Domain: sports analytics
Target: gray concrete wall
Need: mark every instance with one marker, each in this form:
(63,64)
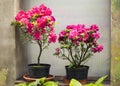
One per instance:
(7,39)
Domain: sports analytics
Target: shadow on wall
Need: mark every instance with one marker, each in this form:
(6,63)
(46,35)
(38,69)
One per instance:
(21,60)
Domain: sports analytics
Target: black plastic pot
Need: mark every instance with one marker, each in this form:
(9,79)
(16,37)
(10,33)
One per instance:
(79,73)
(38,71)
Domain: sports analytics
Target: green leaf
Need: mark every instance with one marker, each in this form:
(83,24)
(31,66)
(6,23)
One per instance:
(38,81)
(100,85)
(100,80)
(32,84)
(74,82)
(41,80)
(65,46)
(21,84)
(13,23)
(70,65)
(87,56)
(46,46)
(50,83)
(35,83)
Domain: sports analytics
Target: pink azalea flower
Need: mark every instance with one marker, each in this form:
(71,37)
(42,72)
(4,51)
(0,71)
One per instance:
(50,21)
(71,26)
(60,39)
(51,28)
(95,43)
(43,30)
(25,20)
(76,42)
(57,51)
(81,30)
(29,27)
(30,13)
(94,28)
(52,18)
(41,22)
(73,34)
(94,50)
(43,9)
(95,35)
(35,10)
(37,35)
(21,14)
(48,12)
(99,48)
(80,26)
(62,33)
(52,37)
(84,36)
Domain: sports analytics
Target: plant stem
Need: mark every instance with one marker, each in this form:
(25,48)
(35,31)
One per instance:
(83,55)
(68,59)
(72,56)
(40,46)
(79,62)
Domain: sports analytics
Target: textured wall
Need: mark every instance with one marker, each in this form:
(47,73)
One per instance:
(7,39)
(115,43)
(3,75)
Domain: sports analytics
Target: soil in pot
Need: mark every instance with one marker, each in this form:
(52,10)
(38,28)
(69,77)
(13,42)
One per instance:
(38,70)
(79,73)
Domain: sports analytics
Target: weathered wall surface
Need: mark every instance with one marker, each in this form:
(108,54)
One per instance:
(7,39)
(115,42)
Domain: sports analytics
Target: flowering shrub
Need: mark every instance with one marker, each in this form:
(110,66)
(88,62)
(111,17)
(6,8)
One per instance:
(78,43)
(37,24)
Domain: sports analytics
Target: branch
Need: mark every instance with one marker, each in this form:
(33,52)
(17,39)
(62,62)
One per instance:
(85,52)
(71,54)
(79,62)
(83,55)
(67,58)
(40,46)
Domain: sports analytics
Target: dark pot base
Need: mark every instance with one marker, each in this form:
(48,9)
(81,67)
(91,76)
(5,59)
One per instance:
(80,73)
(38,71)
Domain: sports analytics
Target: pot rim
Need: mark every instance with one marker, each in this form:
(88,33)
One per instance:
(41,64)
(81,67)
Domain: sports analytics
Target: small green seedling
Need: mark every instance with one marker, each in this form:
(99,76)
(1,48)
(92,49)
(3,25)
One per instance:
(39,82)
(99,82)
(74,82)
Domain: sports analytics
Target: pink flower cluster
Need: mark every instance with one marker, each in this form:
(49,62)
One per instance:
(57,51)
(98,48)
(77,34)
(37,22)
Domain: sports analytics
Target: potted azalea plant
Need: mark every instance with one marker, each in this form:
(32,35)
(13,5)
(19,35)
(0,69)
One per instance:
(37,24)
(77,44)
